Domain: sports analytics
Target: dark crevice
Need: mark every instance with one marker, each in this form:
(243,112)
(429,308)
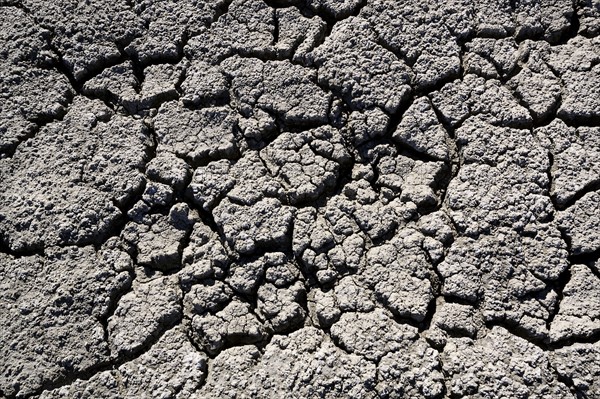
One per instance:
(113,304)
(137,68)
(550,177)
(191,338)
(21,253)
(505,77)
(573,28)
(197,105)
(310,12)
(540,341)
(523,104)
(437,280)
(458,333)
(384,238)
(591,338)
(91,71)
(130,4)
(456,158)
(275,28)
(15,3)
(412,153)
(548,117)
(336,341)
(590,187)
(590,259)
(399,55)
(450,129)
(209,220)
(330,20)
(558,286)
(197,162)
(592,120)
(220,11)
(568,382)
(460,300)
(516,329)
(426,90)
(392,125)
(183,75)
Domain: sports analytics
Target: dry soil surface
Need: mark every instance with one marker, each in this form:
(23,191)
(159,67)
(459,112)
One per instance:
(300,199)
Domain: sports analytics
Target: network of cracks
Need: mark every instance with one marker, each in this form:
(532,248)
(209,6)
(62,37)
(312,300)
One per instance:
(300,198)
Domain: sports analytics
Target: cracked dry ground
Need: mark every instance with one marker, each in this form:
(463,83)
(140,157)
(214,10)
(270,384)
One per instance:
(299,198)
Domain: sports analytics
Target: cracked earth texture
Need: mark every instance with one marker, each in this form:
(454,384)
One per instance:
(299,198)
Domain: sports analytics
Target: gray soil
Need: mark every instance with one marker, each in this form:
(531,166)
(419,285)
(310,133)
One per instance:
(300,199)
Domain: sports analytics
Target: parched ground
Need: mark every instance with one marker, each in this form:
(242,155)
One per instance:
(300,199)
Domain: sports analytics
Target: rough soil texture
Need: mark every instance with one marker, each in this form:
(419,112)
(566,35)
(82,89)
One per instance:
(300,198)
